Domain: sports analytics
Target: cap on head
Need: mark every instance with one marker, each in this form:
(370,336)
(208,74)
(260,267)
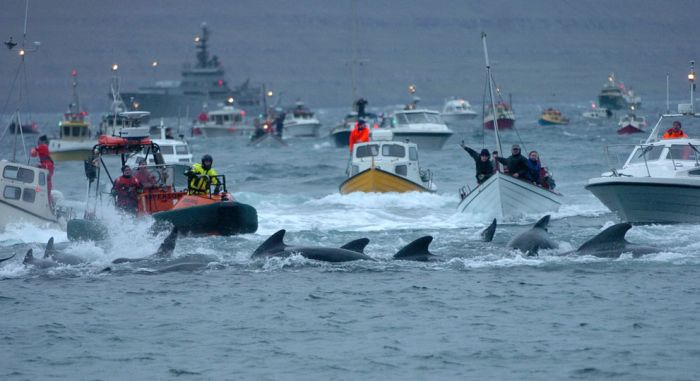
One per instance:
(515,146)
(676,123)
(208,158)
(43,138)
(361,122)
(485,152)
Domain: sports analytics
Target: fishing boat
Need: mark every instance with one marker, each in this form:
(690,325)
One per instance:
(300,121)
(24,189)
(174,151)
(660,180)
(457,112)
(27,128)
(421,126)
(383,165)
(225,121)
(201,83)
(75,141)
(631,124)
(551,117)
(504,116)
(502,196)
(201,213)
(340,134)
(614,95)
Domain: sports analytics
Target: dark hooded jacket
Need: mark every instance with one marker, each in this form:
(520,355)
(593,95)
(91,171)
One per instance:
(484,169)
(515,164)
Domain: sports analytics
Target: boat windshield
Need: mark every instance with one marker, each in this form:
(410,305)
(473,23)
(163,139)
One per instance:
(181,149)
(417,118)
(393,150)
(648,153)
(682,152)
(367,150)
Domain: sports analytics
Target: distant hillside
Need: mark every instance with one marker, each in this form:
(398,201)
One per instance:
(542,50)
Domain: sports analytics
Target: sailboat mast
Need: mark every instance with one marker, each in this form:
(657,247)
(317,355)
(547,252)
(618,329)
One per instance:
(353,65)
(493,102)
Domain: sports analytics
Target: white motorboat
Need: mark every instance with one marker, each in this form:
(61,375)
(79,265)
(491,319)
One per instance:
(383,165)
(300,121)
(660,180)
(457,112)
(501,196)
(226,121)
(420,126)
(596,113)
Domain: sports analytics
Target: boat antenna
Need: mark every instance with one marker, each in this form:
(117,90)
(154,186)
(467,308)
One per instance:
(490,85)
(691,79)
(668,102)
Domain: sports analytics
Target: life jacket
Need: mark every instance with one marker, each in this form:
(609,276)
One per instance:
(126,190)
(670,134)
(358,136)
(45,160)
(200,184)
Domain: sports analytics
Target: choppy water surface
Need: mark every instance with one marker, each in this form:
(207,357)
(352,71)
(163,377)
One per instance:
(482,312)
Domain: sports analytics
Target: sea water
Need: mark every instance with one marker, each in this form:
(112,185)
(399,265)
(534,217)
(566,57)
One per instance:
(481,311)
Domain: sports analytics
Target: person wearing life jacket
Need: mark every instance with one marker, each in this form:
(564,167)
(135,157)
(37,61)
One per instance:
(675,132)
(359,134)
(45,161)
(125,191)
(201,176)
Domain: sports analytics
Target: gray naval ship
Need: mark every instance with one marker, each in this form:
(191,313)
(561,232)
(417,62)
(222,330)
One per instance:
(202,84)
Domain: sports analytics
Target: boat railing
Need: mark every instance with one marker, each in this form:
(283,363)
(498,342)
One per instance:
(214,184)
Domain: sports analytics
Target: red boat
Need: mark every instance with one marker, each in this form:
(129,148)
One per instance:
(505,116)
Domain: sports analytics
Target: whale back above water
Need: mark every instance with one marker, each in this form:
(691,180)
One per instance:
(274,246)
(534,239)
(487,234)
(416,250)
(611,243)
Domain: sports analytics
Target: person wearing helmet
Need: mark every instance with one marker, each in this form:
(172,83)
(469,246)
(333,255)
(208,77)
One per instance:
(125,191)
(201,176)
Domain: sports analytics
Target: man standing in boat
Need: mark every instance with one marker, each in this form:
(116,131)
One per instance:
(484,167)
(126,190)
(361,104)
(516,164)
(45,161)
(359,134)
(675,132)
(201,176)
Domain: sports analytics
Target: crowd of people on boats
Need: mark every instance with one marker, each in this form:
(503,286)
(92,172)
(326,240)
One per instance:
(527,169)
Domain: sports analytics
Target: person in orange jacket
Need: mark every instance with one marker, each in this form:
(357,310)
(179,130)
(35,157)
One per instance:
(675,132)
(359,134)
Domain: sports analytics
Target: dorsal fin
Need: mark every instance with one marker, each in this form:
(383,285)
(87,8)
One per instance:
(165,250)
(416,250)
(8,258)
(487,234)
(29,257)
(542,223)
(273,244)
(50,249)
(357,245)
(613,234)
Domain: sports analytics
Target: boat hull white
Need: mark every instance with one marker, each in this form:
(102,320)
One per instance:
(506,198)
(425,140)
(458,119)
(641,200)
(301,129)
(12,214)
(218,132)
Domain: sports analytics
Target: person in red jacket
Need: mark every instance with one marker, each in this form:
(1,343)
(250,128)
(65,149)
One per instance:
(125,191)
(45,160)
(359,134)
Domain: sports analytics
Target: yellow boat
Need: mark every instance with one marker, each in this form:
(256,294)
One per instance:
(74,142)
(552,117)
(383,165)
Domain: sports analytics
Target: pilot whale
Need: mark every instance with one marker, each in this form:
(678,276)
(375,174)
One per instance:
(274,246)
(165,250)
(534,239)
(417,251)
(611,243)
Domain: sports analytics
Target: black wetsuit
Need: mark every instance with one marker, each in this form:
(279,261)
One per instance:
(515,164)
(484,169)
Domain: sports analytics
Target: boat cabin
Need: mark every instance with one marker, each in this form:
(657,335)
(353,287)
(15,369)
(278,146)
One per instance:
(228,115)
(407,118)
(24,192)
(398,158)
